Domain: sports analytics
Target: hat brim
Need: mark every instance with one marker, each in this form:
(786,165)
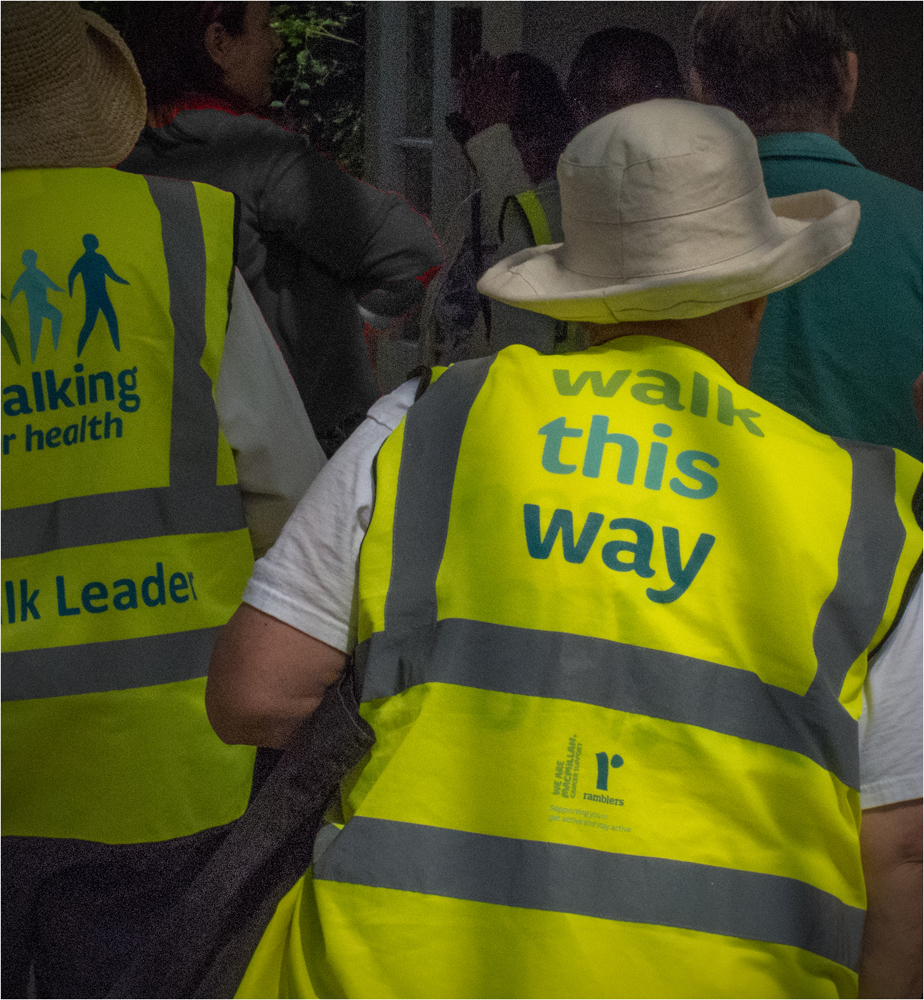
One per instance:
(87,113)
(812,229)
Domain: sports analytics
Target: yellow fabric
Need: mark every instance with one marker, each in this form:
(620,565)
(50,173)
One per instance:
(480,737)
(774,497)
(216,563)
(126,765)
(119,767)
(410,945)
(757,476)
(535,215)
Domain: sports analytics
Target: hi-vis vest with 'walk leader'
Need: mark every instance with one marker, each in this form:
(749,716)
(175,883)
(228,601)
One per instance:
(614,619)
(124,540)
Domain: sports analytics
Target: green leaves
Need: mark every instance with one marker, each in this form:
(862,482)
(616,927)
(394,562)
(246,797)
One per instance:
(318,82)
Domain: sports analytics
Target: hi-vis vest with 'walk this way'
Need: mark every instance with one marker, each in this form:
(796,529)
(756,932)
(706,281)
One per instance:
(124,540)
(614,619)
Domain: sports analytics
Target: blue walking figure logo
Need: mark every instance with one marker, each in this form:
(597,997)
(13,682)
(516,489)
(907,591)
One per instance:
(94,268)
(35,284)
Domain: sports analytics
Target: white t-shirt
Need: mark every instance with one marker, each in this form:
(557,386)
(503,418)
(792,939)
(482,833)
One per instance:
(263,419)
(308,581)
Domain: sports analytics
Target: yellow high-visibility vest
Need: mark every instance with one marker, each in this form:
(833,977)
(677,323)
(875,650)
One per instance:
(614,619)
(124,540)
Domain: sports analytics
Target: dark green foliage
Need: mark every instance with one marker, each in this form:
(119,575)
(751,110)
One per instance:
(318,84)
(319,76)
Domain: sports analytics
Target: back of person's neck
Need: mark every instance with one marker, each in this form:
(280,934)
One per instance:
(787,123)
(728,336)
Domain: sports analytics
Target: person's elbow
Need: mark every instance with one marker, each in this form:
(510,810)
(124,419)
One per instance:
(241,714)
(265,677)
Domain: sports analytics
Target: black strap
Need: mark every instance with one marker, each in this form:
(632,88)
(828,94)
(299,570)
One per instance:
(205,944)
(478,259)
(425,374)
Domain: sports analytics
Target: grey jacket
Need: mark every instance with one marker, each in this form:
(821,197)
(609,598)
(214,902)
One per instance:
(313,241)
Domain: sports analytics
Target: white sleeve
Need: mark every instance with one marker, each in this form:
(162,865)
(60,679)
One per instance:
(890,726)
(263,419)
(500,173)
(308,578)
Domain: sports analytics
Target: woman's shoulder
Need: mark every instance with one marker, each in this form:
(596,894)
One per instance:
(218,123)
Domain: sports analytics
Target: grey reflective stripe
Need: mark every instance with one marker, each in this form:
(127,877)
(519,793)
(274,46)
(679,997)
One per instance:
(432,436)
(194,421)
(107,666)
(870,551)
(626,678)
(739,704)
(120,517)
(566,879)
(193,503)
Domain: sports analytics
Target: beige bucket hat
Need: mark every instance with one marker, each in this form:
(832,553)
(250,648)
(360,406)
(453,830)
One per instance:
(71,94)
(665,216)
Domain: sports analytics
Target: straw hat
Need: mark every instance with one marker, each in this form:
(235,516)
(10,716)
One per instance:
(71,95)
(666,216)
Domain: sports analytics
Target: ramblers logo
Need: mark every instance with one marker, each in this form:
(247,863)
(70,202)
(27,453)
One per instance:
(47,390)
(569,784)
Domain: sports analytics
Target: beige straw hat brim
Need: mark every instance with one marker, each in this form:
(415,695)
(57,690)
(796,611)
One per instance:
(71,94)
(713,244)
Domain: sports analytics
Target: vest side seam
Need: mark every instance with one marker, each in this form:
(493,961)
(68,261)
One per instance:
(870,549)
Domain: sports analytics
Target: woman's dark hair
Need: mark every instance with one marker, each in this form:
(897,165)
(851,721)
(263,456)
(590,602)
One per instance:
(542,118)
(620,66)
(168,43)
(772,63)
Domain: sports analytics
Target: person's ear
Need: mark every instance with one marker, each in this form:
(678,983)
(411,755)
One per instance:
(849,86)
(216,40)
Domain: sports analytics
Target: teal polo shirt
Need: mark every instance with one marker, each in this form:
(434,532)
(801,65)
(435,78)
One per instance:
(842,349)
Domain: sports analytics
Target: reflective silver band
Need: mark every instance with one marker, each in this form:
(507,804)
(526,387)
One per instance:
(869,554)
(615,675)
(578,880)
(107,666)
(120,517)
(432,436)
(193,422)
(704,694)
(191,504)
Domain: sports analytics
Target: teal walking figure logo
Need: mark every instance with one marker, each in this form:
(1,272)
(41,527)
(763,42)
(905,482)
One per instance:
(35,285)
(94,269)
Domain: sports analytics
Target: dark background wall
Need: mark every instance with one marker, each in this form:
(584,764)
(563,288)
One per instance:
(884,130)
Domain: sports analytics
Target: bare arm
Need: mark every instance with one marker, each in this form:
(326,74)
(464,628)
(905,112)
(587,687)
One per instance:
(890,843)
(265,677)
